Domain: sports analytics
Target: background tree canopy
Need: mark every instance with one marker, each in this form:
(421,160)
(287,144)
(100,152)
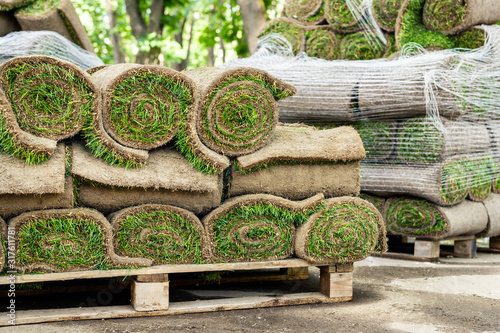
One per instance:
(176,33)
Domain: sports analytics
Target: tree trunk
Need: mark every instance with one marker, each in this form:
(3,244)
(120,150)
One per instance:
(210,57)
(253,14)
(116,40)
(141,30)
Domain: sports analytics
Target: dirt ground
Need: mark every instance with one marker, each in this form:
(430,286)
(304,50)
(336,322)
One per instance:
(389,296)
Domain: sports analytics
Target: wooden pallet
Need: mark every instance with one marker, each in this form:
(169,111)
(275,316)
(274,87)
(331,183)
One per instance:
(150,291)
(429,250)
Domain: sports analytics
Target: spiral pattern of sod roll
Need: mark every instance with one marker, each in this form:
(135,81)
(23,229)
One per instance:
(378,202)
(470,39)
(386,13)
(238,110)
(378,139)
(455,180)
(256,227)
(322,44)
(165,234)
(305,11)
(442,15)
(294,33)
(340,17)
(50,99)
(348,229)
(410,28)
(418,141)
(357,46)
(483,172)
(412,217)
(62,240)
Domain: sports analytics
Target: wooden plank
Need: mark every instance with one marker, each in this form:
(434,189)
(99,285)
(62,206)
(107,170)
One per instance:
(465,248)
(152,278)
(335,284)
(160,269)
(149,296)
(127,311)
(344,268)
(495,243)
(403,256)
(297,273)
(426,249)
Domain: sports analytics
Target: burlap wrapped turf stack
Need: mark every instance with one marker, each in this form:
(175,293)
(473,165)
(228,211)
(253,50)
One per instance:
(54,15)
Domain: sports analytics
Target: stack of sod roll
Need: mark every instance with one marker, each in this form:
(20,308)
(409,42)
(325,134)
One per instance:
(361,30)
(136,165)
(429,124)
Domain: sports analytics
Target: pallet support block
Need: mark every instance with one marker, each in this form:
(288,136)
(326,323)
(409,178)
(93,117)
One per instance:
(150,292)
(336,281)
(465,248)
(495,243)
(426,248)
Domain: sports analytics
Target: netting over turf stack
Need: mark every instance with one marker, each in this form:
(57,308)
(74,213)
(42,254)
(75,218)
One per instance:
(428,121)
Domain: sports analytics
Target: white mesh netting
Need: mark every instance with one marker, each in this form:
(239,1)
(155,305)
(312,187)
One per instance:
(27,43)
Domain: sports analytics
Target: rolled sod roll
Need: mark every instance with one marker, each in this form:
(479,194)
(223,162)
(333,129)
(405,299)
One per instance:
(144,107)
(496,180)
(13,4)
(386,12)
(16,204)
(307,12)
(483,170)
(347,229)
(420,141)
(50,99)
(445,183)
(55,15)
(256,227)
(410,28)
(18,178)
(363,45)
(238,112)
(339,15)
(492,205)
(378,202)
(411,217)
(59,240)
(8,23)
(291,30)
(321,42)
(4,236)
(159,234)
(453,16)
(397,89)
(472,38)
(167,179)
(300,161)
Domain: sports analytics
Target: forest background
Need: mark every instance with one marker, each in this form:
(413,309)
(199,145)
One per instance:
(181,34)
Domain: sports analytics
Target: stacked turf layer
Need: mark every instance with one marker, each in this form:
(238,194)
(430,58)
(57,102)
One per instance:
(346,229)
(30,123)
(159,234)
(412,217)
(6,5)
(25,187)
(167,178)
(256,227)
(306,12)
(54,15)
(444,183)
(300,161)
(348,91)
(237,113)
